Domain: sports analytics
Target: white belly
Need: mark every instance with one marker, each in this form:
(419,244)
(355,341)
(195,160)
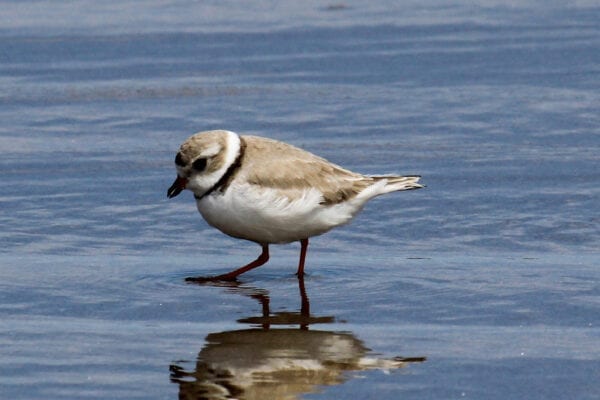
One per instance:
(262,216)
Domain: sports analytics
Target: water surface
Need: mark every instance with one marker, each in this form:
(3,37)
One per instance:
(482,285)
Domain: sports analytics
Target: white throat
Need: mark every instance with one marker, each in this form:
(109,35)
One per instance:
(204,183)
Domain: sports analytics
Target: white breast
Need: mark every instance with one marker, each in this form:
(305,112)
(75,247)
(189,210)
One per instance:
(259,214)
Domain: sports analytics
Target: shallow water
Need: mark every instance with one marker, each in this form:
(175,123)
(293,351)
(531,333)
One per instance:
(482,285)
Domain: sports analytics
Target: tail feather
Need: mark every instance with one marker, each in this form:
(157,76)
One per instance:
(397,183)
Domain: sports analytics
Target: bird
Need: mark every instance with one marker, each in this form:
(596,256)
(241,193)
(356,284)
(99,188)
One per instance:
(271,192)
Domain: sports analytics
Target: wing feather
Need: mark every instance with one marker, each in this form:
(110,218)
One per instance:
(292,172)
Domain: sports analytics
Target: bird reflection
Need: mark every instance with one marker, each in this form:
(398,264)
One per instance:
(274,362)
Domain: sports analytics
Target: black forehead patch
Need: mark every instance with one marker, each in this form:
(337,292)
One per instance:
(179,160)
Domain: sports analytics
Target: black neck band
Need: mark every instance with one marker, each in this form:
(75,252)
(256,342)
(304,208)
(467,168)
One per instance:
(226,178)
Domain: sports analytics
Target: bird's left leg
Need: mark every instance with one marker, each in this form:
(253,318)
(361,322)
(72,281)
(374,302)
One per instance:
(303,248)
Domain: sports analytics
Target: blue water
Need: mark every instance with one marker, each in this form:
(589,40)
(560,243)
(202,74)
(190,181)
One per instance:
(486,283)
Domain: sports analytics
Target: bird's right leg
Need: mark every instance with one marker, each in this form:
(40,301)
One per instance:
(232,276)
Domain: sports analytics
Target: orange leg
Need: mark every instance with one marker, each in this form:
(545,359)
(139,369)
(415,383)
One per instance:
(303,248)
(232,276)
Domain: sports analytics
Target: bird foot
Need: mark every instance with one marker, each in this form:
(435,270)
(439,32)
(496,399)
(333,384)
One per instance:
(211,279)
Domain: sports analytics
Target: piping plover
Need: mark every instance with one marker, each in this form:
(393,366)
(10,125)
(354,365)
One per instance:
(268,192)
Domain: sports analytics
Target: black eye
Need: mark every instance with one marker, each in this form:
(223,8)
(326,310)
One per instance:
(199,164)
(179,160)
